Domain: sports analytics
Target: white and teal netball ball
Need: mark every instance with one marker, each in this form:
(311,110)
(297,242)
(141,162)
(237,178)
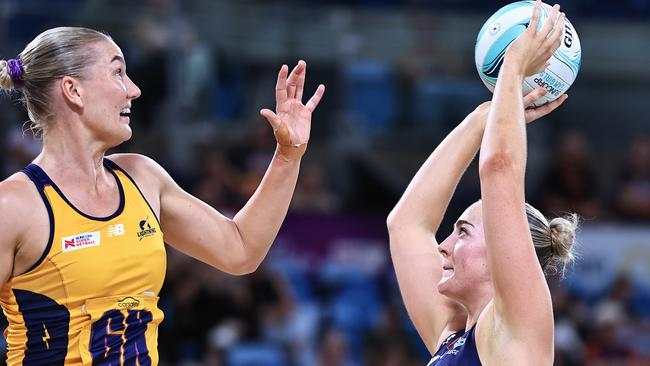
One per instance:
(502,28)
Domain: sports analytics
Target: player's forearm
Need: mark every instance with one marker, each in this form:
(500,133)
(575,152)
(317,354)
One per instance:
(427,196)
(504,143)
(259,221)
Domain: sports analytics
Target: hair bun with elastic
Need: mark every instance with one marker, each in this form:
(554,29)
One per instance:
(6,81)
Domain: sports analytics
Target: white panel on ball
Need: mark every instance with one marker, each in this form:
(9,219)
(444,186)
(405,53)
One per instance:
(502,28)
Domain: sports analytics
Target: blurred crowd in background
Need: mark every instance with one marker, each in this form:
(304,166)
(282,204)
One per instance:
(399,76)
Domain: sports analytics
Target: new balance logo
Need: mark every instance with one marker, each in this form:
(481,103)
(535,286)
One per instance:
(116,230)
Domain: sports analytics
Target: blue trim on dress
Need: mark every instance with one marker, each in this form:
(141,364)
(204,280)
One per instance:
(47,181)
(114,165)
(40,181)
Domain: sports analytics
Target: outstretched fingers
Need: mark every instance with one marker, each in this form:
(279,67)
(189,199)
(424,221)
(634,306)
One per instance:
(551,106)
(315,99)
(555,38)
(272,118)
(538,112)
(301,80)
(534,20)
(281,85)
(550,21)
(533,96)
(294,79)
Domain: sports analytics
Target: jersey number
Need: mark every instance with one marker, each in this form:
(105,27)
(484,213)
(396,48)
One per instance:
(107,344)
(47,324)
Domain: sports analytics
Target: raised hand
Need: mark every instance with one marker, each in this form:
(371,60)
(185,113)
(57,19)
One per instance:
(291,120)
(531,51)
(535,113)
(480,114)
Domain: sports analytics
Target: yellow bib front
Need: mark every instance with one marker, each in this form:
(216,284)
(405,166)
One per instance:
(92,297)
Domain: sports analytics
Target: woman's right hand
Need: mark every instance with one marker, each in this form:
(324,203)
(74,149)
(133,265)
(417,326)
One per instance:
(530,52)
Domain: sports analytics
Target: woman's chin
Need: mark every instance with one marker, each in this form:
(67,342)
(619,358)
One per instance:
(125,133)
(120,137)
(443,285)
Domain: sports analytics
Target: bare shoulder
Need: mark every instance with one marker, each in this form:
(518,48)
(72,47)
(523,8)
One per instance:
(18,197)
(143,169)
(17,193)
(24,224)
(135,163)
(152,180)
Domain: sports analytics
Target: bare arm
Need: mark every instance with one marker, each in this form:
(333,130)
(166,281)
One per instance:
(15,197)
(413,222)
(239,245)
(416,217)
(522,297)
(8,240)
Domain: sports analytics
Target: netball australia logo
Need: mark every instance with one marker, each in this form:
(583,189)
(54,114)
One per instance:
(145,229)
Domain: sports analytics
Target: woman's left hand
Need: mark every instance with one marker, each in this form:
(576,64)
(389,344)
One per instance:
(291,120)
(480,114)
(534,113)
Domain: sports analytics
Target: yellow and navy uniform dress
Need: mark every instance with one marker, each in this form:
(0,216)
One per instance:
(91,299)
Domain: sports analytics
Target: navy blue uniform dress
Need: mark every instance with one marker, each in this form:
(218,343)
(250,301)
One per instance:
(459,349)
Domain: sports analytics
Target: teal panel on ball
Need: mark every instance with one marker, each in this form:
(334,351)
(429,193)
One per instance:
(574,64)
(500,12)
(494,58)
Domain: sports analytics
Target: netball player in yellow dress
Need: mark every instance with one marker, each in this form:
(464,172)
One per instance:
(82,257)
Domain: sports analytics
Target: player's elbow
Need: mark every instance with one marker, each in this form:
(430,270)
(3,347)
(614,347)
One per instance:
(248,258)
(245,269)
(237,260)
(401,218)
(398,225)
(241,267)
(499,164)
(393,221)
(399,230)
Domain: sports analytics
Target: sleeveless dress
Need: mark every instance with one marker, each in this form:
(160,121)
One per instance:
(92,296)
(459,349)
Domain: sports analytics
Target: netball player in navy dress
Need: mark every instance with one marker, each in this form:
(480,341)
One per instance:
(480,297)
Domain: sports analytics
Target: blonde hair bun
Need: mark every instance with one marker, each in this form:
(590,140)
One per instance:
(5,79)
(563,236)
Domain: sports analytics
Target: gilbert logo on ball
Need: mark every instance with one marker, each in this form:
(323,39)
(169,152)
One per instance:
(502,28)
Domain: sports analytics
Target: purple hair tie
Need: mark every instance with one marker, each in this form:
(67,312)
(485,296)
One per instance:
(15,70)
